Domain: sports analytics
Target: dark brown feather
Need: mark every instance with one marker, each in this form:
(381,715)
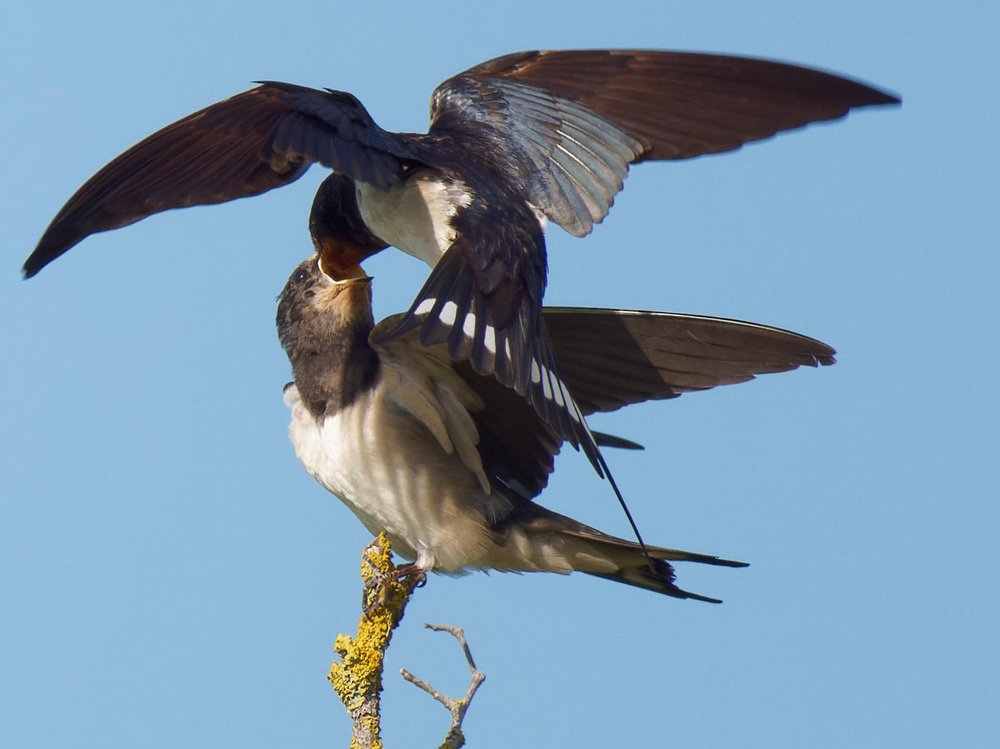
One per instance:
(684,104)
(611,358)
(643,567)
(245,145)
(168,170)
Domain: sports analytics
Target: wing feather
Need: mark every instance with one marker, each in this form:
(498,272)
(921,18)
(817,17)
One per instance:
(606,109)
(245,145)
(496,326)
(496,432)
(612,358)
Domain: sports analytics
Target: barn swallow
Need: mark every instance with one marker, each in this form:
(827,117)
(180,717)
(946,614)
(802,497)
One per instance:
(448,461)
(513,143)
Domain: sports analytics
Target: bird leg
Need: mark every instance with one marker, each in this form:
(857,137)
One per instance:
(382,585)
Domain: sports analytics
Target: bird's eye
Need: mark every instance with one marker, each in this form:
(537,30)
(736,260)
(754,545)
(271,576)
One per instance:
(301,275)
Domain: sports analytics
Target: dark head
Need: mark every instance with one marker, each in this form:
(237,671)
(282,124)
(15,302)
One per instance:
(339,234)
(323,325)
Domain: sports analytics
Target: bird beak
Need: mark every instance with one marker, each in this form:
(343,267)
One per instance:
(356,279)
(350,275)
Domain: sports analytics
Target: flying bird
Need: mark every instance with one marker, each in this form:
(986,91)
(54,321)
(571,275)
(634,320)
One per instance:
(448,461)
(513,143)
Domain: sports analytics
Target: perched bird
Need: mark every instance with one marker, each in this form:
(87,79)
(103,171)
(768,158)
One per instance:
(448,461)
(513,143)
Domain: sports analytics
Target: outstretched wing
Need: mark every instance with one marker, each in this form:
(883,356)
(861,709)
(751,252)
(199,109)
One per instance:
(611,358)
(608,358)
(576,119)
(250,143)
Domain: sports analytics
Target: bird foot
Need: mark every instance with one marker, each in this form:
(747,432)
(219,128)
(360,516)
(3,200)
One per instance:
(382,588)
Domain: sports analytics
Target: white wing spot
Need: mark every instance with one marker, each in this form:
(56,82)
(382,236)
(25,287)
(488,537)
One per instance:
(490,340)
(448,312)
(574,410)
(469,326)
(586,427)
(536,376)
(424,307)
(546,386)
(557,389)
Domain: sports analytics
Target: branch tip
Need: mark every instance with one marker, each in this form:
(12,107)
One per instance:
(457,708)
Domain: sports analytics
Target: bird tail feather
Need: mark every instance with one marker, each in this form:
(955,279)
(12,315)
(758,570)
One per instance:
(595,553)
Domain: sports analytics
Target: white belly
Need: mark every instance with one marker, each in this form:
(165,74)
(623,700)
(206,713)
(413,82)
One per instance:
(415,216)
(429,505)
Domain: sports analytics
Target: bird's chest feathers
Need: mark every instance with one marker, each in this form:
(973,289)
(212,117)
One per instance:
(394,475)
(352,455)
(417,215)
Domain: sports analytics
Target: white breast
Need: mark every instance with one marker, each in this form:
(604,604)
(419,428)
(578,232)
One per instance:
(395,476)
(415,216)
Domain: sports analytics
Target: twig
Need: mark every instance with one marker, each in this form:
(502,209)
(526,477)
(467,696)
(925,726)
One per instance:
(357,677)
(457,708)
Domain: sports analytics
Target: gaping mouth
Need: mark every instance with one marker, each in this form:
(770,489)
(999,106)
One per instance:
(360,277)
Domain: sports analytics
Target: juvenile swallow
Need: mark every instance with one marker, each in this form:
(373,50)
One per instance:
(448,461)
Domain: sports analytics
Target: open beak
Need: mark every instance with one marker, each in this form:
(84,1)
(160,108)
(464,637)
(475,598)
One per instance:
(356,279)
(354,274)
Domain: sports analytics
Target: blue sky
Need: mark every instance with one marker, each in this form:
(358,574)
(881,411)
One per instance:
(172,577)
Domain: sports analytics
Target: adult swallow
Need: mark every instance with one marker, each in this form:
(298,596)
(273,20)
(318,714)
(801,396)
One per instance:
(513,143)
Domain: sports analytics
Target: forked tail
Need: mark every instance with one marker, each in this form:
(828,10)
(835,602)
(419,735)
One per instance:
(588,550)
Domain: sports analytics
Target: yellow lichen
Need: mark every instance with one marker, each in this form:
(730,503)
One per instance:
(357,676)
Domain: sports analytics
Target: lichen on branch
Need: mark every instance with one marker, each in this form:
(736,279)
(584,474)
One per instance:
(357,675)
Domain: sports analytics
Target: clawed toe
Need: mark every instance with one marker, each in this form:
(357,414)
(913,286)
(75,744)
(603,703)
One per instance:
(380,588)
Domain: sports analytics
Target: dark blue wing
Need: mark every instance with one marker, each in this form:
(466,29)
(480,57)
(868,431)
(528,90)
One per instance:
(253,142)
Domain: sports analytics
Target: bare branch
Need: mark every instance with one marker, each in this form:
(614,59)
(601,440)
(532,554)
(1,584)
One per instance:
(457,708)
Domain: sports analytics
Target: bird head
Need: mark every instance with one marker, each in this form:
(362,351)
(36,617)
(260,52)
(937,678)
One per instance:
(317,312)
(339,234)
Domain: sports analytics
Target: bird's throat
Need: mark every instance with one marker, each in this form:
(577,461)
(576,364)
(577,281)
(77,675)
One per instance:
(332,371)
